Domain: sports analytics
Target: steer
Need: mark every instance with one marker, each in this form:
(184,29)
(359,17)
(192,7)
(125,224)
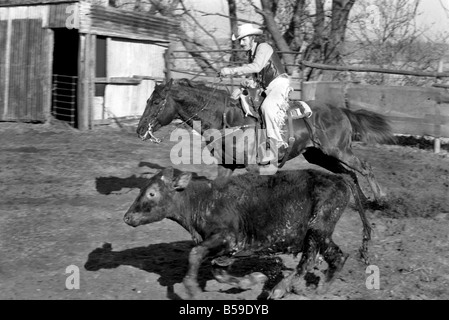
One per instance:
(289,212)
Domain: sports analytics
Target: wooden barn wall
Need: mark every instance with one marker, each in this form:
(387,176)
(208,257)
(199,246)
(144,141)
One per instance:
(59,13)
(411,110)
(113,22)
(128,59)
(5,3)
(25,78)
(3,68)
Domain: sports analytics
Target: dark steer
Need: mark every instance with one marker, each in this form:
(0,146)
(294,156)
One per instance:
(292,211)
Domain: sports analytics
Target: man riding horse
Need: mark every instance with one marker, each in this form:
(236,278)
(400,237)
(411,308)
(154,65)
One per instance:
(269,74)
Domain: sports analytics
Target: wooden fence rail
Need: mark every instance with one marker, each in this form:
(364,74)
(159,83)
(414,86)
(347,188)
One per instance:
(378,70)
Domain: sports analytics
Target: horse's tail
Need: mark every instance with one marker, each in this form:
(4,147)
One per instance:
(369,126)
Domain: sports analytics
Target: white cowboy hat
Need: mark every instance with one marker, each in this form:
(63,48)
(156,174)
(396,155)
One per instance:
(246,30)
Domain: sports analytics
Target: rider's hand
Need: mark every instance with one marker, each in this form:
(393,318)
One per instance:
(248,83)
(226,72)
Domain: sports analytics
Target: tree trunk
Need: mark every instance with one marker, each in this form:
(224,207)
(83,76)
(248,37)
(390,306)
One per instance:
(326,44)
(340,14)
(314,52)
(281,43)
(233,21)
(293,35)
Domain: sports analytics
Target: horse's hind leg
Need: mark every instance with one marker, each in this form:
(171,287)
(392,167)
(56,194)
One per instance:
(318,157)
(353,164)
(366,226)
(361,166)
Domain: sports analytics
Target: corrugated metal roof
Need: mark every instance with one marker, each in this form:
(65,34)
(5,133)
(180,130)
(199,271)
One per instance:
(9,3)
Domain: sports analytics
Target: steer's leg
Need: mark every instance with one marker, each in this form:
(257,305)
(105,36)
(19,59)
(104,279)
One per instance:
(244,283)
(306,263)
(335,259)
(196,257)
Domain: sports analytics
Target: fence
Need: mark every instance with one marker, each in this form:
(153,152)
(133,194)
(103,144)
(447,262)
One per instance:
(64,98)
(412,110)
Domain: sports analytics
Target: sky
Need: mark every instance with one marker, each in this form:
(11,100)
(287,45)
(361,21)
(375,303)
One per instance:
(433,15)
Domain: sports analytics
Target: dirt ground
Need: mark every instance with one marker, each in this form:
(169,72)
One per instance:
(64,194)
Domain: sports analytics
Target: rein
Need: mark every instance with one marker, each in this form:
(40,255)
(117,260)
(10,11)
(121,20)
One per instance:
(161,108)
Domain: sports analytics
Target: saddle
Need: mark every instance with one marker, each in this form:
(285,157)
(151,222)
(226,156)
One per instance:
(250,100)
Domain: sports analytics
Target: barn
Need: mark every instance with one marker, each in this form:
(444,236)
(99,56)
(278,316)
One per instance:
(79,61)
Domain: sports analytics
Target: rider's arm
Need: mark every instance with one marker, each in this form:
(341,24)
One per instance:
(263,54)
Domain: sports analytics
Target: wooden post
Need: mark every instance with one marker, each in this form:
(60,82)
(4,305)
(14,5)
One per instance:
(437,141)
(82,110)
(167,60)
(48,83)
(7,65)
(91,63)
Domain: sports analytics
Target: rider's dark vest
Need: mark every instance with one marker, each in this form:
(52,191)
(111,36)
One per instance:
(273,68)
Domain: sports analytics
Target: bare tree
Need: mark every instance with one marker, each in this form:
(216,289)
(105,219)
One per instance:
(386,35)
(316,34)
(291,24)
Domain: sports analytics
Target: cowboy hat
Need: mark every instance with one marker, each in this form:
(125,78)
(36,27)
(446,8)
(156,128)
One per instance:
(246,30)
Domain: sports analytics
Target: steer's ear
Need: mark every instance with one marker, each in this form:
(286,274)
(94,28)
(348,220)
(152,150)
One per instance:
(182,181)
(167,175)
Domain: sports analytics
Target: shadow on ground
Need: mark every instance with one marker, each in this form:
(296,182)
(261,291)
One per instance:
(170,261)
(111,184)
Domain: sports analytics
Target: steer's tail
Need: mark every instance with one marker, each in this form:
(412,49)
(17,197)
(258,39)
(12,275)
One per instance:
(366,226)
(370,126)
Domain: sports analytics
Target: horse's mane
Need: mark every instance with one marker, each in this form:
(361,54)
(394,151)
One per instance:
(195,96)
(200,87)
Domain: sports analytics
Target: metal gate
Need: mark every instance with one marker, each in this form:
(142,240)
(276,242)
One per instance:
(64,98)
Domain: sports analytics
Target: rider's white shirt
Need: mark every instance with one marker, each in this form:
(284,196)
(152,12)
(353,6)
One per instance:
(263,54)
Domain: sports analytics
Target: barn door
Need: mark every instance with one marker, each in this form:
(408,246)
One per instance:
(24,75)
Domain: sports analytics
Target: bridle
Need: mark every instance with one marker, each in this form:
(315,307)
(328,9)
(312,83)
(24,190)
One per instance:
(149,131)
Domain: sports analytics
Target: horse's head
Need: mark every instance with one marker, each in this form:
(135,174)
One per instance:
(159,112)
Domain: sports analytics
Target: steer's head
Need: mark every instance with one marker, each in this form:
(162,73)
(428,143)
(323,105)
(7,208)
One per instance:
(156,199)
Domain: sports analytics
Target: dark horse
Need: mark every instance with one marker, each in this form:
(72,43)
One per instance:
(329,145)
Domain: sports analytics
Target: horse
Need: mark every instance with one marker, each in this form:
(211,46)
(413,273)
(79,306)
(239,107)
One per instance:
(324,139)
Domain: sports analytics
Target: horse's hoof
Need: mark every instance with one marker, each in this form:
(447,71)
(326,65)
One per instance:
(323,289)
(364,256)
(377,204)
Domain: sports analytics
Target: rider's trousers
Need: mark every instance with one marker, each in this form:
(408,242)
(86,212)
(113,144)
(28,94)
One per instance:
(276,100)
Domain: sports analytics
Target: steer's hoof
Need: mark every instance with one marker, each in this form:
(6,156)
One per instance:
(192,288)
(280,290)
(251,280)
(223,261)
